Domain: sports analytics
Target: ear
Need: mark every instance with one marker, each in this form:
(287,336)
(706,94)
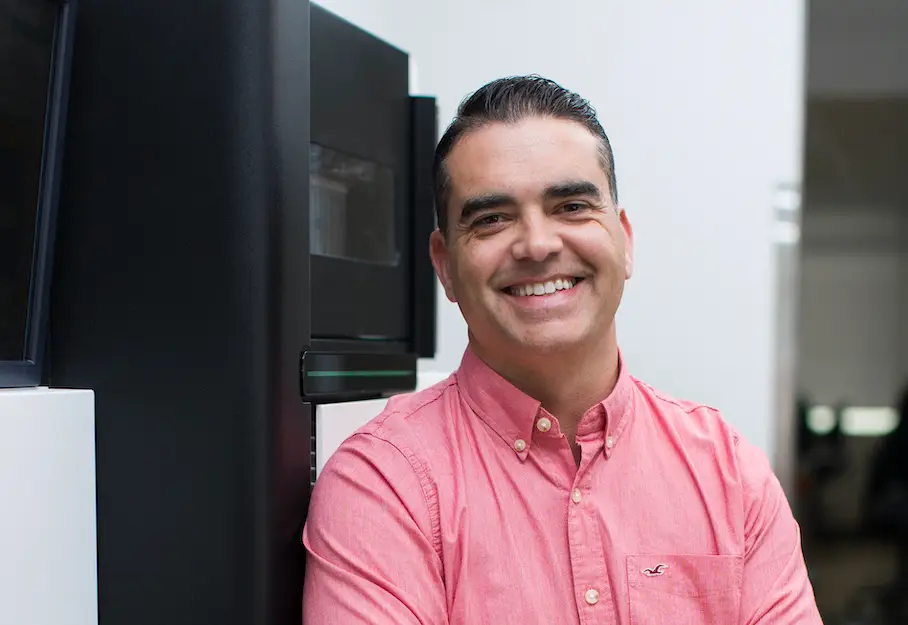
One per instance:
(438,251)
(628,243)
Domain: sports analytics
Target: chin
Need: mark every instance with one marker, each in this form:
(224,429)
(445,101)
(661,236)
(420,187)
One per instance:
(552,341)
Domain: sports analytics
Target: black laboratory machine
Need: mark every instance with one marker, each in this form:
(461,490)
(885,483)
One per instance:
(242,234)
(35,56)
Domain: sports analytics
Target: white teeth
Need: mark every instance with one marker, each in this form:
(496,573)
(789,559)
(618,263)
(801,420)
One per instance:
(543,288)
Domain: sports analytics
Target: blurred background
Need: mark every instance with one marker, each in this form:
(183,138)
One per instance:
(761,153)
(851,298)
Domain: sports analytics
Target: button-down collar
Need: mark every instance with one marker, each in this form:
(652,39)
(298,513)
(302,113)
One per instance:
(512,414)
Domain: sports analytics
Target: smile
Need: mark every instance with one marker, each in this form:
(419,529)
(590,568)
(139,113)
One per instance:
(547,287)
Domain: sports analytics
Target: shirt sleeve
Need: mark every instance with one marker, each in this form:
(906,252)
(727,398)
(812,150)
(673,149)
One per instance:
(776,589)
(371,557)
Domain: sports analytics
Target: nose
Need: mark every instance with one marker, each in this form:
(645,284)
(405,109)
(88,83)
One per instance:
(537,240)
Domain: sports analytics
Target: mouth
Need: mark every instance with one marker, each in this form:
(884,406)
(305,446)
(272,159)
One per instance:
(543,288)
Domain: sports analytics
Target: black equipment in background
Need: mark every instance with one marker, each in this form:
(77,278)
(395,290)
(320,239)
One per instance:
(35,54)
(243,233)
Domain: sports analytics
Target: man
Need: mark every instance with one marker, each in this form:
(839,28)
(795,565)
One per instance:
(541,483)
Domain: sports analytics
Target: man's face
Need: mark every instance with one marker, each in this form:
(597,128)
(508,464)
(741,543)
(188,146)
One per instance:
(536,253)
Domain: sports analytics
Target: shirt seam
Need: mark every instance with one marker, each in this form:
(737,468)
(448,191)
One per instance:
(429,496)
(687,409)
(420,469)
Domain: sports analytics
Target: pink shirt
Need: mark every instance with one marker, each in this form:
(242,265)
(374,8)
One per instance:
(463,505)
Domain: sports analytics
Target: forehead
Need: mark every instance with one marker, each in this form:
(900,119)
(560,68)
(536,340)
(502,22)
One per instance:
(524,158)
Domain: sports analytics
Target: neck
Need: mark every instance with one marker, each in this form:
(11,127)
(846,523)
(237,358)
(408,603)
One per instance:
(567,384)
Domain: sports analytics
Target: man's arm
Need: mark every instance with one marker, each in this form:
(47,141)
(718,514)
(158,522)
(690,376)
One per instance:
(776,589)
(370,554)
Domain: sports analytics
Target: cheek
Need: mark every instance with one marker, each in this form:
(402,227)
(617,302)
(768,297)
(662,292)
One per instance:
(462,280)
(477,266)
(597,244)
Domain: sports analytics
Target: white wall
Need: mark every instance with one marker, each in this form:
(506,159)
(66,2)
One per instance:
(703,104)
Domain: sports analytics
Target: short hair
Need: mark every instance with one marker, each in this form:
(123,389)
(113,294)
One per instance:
(509,101)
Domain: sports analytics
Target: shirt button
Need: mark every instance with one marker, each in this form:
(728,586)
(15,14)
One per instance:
(544,424)
(576,496)
(520,445)
(592,596)
(610,442)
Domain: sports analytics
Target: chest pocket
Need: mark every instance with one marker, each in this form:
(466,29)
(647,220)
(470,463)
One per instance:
(683,589)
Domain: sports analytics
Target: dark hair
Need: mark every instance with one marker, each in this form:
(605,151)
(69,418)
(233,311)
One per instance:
(508,101)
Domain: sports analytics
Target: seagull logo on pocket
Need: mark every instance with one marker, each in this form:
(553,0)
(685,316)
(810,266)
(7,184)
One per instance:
(656,571)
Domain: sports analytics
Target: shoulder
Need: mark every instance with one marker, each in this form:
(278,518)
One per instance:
(380,471)
(703,426)
(409,418)
(688,418)
(399,432)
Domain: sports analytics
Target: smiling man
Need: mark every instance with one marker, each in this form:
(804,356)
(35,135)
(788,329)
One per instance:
(541,482)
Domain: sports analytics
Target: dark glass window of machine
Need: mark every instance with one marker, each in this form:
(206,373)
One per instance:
(26,48)
(351,208)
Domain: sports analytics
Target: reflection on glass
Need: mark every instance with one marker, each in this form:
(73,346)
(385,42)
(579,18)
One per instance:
(351,208)
(26,48)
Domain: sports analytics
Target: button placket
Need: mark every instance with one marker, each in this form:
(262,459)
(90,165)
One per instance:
(588,561)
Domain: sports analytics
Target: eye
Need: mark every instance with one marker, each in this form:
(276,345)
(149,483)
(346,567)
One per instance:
(573,207)
(488,220)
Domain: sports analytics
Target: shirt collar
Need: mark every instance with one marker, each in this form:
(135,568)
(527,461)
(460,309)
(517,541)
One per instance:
(512,414)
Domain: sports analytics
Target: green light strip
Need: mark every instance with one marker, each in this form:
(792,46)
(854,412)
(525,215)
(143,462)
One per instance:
(379,373)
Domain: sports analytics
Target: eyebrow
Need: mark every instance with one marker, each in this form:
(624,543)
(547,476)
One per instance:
(573,188)
(560,190)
